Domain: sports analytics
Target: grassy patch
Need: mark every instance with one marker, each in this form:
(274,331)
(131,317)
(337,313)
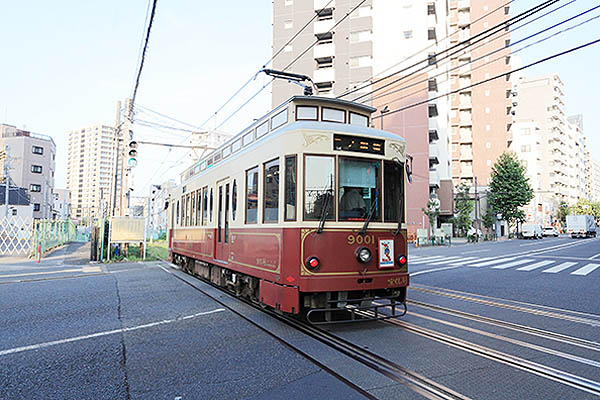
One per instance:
(154,252)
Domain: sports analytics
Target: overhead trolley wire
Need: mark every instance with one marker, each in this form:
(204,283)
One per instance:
(562,53)
(461,45)
(395,90)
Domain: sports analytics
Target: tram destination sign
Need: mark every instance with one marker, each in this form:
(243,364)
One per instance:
(358,144)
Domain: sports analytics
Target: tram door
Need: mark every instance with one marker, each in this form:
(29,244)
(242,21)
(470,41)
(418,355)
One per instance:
(223,202)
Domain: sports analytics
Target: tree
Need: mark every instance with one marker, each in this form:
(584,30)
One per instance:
(432,211)
(509,188)
(562,212)
(585,207)
(464,207)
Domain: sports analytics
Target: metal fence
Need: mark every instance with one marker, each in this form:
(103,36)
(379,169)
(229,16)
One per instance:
(16,235)
(48,234)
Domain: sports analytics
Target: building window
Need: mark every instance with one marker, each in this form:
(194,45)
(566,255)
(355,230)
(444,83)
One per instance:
(271,191)
(288,48)
(526,148)
(252,195)
(360,36)
(36,169)
(14,211)
(431,34)
(324,38)
(362,61)
(430,8)
(291,169)
(36,206)
(35,188)
(288,2)
(408,34)
(287,24)
(433,111)
(325,14)
(37,150)
(323,63)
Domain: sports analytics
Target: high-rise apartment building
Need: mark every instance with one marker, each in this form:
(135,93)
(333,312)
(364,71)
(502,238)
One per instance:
(32,165)
(90,171)
(558,152)
(453,138)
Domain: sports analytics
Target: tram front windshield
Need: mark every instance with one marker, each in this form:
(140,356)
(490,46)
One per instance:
(359,189)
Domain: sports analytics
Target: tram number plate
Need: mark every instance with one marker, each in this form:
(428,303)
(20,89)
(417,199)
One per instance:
(360,239)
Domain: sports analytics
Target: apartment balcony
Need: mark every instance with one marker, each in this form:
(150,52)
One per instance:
(324,51)
(324,75)
(466,119)
(465,102)
(323,26)
(466,155)
(434,124)
(464,19)
(466,137)
(463,4)
(434,178)
(434,154)
(321,4)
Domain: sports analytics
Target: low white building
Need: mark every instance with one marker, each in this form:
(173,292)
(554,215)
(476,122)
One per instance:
(62,204)
(159,195)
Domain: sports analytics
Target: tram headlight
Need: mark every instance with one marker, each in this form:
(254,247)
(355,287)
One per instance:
(363,254)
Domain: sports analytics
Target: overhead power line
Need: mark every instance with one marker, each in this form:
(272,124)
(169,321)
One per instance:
(562,53)
(141,66)
(459,66)
(449,52)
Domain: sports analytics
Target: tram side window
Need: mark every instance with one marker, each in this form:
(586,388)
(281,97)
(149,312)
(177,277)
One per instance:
(177,214)
(183,211)
(234,200)
(318,187)
(199,207)
(192,208)
(291,169)
(210,214)
(188,210)
(205,205)
(252,195)
(359,191)
(393,185)
(271,191)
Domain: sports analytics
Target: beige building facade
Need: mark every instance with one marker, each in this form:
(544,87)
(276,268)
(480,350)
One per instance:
(90,171)
(32,161)
(556,152)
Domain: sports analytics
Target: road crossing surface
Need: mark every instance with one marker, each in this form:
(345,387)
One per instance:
(581,268)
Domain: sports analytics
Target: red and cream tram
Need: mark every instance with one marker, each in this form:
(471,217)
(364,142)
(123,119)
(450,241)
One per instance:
(303,212)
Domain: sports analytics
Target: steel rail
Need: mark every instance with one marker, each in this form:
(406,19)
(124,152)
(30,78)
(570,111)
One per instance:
(558,337)
(575,381)
(529,310)
(416,382)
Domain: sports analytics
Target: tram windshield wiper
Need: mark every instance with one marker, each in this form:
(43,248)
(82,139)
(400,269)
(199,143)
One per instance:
(369,217)
(325,211)
(400,215)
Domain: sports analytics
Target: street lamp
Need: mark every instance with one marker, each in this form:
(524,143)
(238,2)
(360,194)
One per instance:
(383,111)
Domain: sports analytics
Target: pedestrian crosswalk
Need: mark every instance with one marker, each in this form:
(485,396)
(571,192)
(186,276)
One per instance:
(577,268)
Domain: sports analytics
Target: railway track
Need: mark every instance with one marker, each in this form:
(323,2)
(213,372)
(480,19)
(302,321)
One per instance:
(399,374)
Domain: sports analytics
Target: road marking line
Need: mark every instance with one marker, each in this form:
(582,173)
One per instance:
(462,260)
(470,262)
(585,270)
(513,264)
(559,267)
(475,251)
(105,333)
(536,265)
(492,262)
(423,258)
(430,270)
(529,244)
(596,256)
(41,273)
(433,261)
(91,269)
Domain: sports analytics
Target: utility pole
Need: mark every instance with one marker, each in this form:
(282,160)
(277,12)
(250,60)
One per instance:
(6,179)
(117,140)
(477,224)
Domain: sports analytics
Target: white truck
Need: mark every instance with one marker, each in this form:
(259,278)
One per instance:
(581,226)
(532,231)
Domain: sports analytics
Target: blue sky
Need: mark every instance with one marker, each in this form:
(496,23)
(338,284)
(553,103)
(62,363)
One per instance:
(65,64)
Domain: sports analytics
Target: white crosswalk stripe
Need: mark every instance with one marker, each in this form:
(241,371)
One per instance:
(423,258)
(492,262)
(457,262)
(585,270)
(559,267)
(432,261)
(535,266)
(513,264)
(468,263)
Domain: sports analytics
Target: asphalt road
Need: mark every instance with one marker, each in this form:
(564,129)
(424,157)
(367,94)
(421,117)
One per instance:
(126,331)
(495,320)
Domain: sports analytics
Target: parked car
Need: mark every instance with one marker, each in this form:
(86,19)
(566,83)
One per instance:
(532,231)
(550,231)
